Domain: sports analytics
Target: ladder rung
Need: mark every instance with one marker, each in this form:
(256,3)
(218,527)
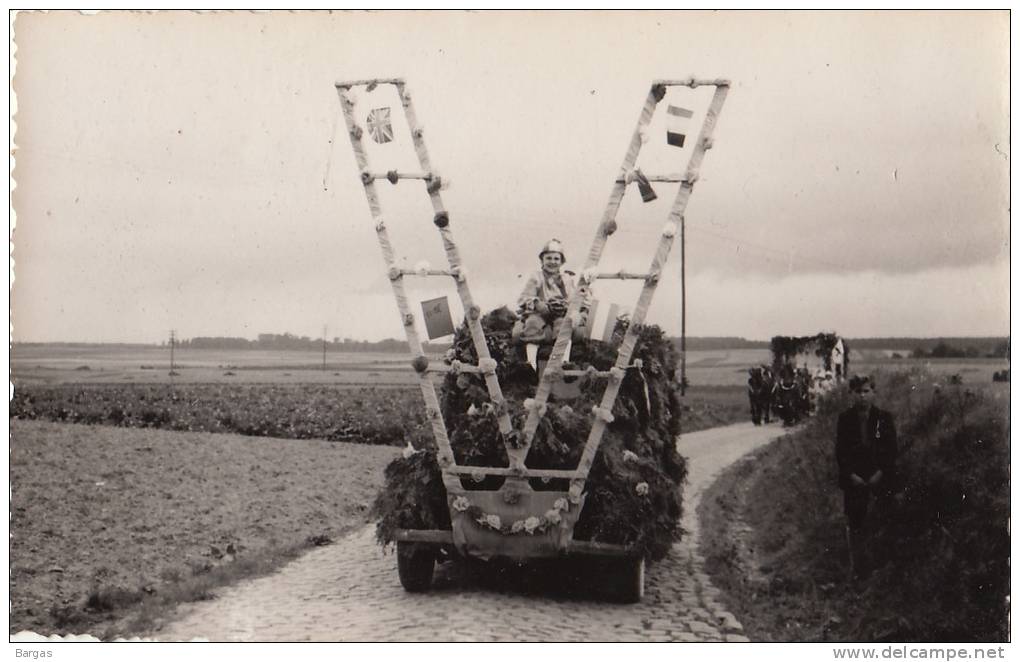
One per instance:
(399,175)
(464,470)
(426,272)
(586,373)
(675,179)
(693,82)
(370,81)
(621,275)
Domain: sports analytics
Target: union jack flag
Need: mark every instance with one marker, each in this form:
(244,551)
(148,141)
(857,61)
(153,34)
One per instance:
(379,125)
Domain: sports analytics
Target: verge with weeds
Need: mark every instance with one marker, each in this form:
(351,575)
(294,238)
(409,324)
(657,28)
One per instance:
(774,526)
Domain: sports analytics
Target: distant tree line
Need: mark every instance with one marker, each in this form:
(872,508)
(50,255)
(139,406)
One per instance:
(946,350)
(713,343)
(985,346)
(289,341)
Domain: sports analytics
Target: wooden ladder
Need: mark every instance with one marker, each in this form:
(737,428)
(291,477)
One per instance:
(518,443)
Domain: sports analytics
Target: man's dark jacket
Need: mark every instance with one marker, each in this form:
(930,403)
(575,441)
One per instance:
(865,451)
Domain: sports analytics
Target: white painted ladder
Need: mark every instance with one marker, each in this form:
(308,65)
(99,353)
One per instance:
(519,442)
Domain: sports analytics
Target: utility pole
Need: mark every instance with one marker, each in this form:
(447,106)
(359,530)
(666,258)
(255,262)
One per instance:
(683,308)
(173,341)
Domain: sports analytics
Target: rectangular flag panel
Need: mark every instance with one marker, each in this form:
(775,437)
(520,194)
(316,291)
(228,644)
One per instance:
(674,129)
(593,308)
(379,126)
(438,322)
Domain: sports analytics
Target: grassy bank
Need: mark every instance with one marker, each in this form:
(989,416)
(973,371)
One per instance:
(774,527)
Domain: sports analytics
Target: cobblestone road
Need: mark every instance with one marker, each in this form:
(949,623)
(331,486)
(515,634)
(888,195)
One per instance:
(349,591)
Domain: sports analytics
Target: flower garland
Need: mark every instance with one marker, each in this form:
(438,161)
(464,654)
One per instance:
(529,526)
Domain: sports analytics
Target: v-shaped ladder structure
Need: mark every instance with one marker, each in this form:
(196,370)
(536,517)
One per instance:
(517,442)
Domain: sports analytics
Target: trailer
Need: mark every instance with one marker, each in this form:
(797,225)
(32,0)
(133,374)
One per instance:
(516,521)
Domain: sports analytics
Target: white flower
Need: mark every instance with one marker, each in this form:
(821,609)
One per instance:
(517,526)
(451,354)
(529,403)
(553,516)
(460,504)
(478,476)
(409,450)
(422,267)
(566,410)
(669,229)
(531,524)
(561,504)
(575,493)
(472,410)
(641,489)
(629,456)
(493,521)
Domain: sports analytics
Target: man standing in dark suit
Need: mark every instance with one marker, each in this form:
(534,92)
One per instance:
(866,455)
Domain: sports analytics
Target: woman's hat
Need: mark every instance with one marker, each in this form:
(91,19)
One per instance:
(553,246)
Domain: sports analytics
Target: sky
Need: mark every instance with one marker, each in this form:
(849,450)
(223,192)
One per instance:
(191,171)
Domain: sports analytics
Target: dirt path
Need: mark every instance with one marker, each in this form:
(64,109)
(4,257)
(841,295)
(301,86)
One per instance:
(349,591)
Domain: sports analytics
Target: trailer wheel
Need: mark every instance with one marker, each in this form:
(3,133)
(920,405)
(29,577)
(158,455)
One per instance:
(630,579)
(415,563)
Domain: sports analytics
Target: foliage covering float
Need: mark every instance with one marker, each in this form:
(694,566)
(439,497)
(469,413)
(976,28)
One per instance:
(786,348)
(638,446)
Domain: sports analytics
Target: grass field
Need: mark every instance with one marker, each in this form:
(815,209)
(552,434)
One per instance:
(38,364)
(102,364)
(109,524)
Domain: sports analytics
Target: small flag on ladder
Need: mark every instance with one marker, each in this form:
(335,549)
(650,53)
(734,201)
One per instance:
(674,127)
(593,308)
(644,186)
(379,125)
(438,322)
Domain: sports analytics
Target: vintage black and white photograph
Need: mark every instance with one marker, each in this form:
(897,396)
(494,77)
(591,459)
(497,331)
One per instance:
(496,326)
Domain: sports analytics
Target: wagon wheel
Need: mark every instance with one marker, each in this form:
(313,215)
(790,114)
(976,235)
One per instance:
(415,563)
(630,579)
(622,578)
